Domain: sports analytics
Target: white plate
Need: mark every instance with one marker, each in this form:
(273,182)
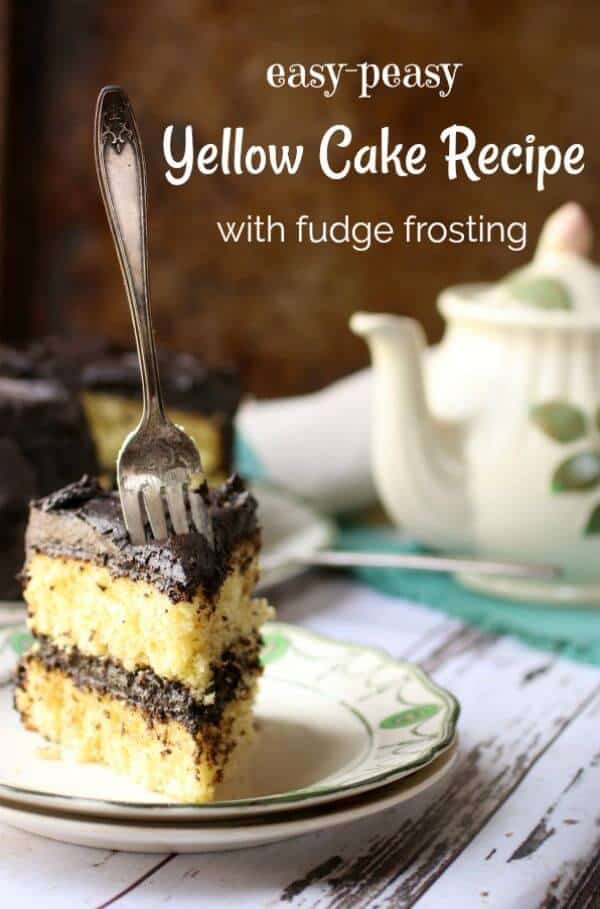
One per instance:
(335,720)
(225,835)
(290,527)
(529,590)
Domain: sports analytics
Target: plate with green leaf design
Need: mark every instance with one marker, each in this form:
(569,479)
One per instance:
(333,720)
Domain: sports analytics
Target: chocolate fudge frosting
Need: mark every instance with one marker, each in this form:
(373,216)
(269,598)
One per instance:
(96,365)
(187,383)
(60,359)
(45,443)
(84,521)
(159,699)
(46,424)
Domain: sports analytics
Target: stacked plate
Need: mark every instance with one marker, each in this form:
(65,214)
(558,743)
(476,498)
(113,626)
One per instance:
(290,528)
(344,732)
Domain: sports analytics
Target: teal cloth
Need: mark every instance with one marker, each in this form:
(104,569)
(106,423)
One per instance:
(246,460)
(574,633)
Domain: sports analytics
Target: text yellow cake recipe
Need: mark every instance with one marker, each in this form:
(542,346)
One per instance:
(339,155)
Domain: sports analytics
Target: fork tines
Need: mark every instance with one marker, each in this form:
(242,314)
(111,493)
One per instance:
(157,505)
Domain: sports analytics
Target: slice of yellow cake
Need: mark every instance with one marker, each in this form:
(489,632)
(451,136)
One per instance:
(146,658)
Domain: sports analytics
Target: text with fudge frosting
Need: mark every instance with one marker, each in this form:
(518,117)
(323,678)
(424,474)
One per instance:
(339,155)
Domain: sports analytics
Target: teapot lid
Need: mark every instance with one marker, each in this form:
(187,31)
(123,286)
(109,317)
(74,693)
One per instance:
(560,278)
(560,287)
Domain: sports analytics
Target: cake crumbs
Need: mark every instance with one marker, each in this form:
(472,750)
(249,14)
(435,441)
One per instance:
(49,753)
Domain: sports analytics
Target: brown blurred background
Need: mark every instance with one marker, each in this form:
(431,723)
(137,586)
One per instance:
(279,312)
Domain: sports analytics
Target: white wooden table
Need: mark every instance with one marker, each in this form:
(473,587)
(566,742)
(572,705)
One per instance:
(518,826)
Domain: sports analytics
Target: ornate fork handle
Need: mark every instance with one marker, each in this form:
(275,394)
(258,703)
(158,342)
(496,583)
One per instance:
(122,175)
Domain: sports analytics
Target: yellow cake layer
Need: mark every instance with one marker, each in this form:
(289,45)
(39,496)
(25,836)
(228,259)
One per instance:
(112,417)
(162,756)
(79,604)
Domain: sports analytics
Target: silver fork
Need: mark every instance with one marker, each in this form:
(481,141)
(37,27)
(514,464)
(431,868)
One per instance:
(158,463)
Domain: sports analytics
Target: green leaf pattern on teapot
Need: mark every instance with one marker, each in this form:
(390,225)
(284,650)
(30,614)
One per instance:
(561,421)
(581,472)
(593,524)
(541,291)
(564,423)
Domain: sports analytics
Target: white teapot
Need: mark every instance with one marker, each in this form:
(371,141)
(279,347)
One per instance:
(491,442)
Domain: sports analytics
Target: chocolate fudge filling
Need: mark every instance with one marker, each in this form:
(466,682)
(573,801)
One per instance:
(84,521)
(158,698)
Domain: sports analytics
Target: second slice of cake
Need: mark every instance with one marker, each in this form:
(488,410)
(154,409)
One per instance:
(145,658)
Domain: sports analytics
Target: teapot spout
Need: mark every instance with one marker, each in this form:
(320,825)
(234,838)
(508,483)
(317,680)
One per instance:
(418,460)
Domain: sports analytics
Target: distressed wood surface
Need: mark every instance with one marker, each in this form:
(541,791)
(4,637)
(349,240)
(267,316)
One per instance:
(518,826)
